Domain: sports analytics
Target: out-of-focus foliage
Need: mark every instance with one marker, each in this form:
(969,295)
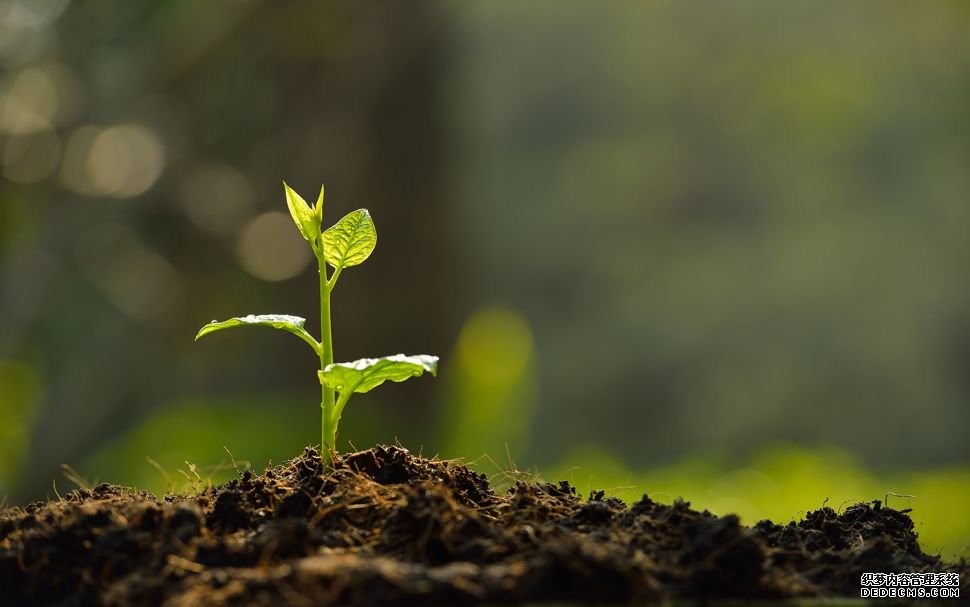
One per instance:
(19,393)
(727,224)
(490,396)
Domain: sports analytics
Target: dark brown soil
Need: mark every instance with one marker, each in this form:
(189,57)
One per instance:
(386,527)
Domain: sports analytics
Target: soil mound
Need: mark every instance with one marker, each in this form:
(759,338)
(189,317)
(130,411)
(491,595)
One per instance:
(386,527)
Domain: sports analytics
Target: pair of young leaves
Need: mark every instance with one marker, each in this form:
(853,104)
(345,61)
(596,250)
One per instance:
(349,242)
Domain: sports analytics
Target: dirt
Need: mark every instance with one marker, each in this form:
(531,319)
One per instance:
(385,527)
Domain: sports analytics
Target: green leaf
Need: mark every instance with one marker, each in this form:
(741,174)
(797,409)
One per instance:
(293,324)
(318,208)
(350,241)
(303,216)
(367,373)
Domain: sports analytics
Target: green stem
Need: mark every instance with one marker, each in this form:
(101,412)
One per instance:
(329,435)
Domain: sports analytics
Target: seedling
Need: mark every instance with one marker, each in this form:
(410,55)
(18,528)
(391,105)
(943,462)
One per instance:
(349,242)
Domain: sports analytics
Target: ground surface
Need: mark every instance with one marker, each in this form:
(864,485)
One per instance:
(386,527)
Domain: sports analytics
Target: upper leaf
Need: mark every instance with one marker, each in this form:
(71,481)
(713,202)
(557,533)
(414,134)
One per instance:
(351,240)
(367,373)
(293,324)
(303,216)
(318,208)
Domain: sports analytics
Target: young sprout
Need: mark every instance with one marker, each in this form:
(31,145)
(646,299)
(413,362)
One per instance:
(349,242)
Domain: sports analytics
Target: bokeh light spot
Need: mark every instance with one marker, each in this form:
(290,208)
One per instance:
(124,161)
(270,248)
(73,175)
(138,281)
(216,198)
(29,103)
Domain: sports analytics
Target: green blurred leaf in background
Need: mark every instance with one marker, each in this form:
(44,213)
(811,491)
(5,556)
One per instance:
(20,391)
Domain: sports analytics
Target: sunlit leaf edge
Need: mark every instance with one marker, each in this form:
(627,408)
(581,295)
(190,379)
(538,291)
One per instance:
(372,372)
(285,322)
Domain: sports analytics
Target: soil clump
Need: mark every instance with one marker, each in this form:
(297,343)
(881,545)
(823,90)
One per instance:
(386,527)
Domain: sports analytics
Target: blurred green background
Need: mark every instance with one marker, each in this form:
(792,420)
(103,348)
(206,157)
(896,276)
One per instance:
(716,250)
